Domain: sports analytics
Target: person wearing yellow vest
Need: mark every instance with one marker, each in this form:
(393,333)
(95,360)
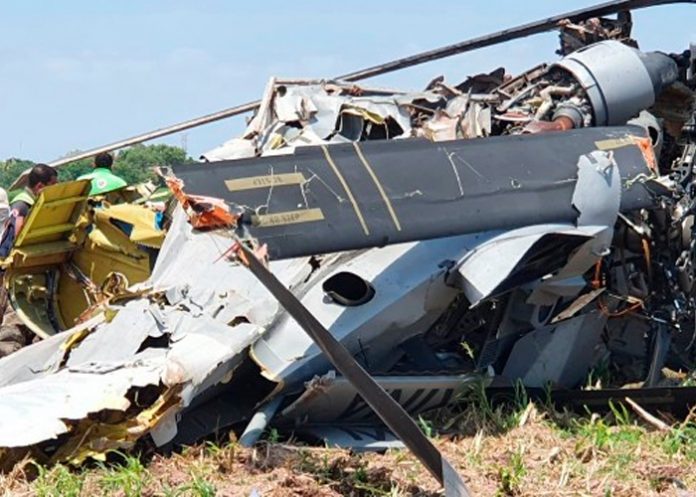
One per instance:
(40,176)
(103,180)
(13,333)
(4,206)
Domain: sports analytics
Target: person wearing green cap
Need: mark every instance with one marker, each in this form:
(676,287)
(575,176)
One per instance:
(103,180)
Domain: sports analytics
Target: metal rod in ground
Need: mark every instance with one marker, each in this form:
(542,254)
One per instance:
(259,422)
(521,31)
(389,411)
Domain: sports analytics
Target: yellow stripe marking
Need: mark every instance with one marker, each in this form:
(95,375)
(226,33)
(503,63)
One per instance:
(289,217)
(614,143)
(346,188)
(252,182)
(378,185)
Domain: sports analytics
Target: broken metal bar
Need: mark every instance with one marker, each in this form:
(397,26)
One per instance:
(158,133)
(259,422)
(521,31)
(342,84)
(389,411)
(678,400)
(646,416)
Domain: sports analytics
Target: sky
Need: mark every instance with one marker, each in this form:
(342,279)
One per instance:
(78,74)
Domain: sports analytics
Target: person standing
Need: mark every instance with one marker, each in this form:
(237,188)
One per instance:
(102,178)
(4,206)
(13,333)
(40,176)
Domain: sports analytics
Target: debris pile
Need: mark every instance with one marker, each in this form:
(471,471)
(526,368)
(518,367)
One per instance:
(577,91)
(534,229)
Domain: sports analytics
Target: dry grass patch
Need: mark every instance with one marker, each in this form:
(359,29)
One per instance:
(520,452)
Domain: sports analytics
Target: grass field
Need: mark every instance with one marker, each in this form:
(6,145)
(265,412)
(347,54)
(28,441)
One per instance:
(526,450)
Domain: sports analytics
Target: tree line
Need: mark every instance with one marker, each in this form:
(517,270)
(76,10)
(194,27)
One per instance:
(133,164)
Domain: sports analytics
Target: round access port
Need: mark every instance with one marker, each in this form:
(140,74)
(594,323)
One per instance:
(348,289)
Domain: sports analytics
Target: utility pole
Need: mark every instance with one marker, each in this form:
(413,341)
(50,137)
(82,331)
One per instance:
(184,141)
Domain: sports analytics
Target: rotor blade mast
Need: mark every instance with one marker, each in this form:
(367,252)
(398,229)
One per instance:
(517,32)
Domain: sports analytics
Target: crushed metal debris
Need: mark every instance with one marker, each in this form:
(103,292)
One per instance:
(533,228)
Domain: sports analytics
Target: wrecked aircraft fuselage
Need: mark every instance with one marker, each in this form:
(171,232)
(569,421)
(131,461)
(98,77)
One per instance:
(532,228)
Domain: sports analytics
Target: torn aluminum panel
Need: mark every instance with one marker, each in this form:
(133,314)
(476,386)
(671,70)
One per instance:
(43,357)
(462,118)
(331,411)
(121,340)
(72,396)
(520,257)
(179,332)
(358,438)
(554,252)
(560,354)
(297,113)
(170,353)
(49,403)
(410,292)
(579,90)
(235,148)
(331,399)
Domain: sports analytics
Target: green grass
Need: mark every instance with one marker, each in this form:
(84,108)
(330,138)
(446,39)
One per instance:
(512,475)
(517,449)
(427,427)
(681,441)
(130,478)
(199,487)
(58,481)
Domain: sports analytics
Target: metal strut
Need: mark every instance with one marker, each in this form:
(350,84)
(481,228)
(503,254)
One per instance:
(389,411)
